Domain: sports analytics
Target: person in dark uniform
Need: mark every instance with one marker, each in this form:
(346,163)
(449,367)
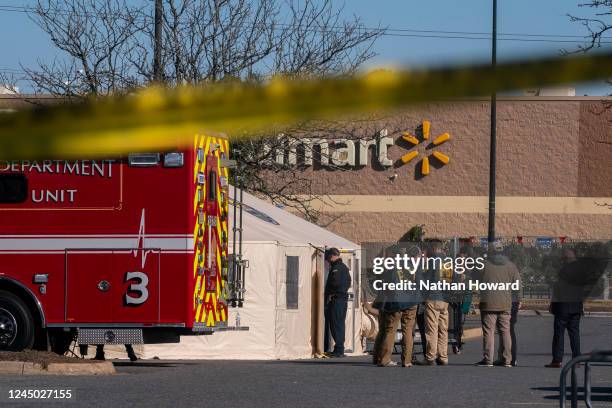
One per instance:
(567,307)
(420,320)
(461,301)
(336,297)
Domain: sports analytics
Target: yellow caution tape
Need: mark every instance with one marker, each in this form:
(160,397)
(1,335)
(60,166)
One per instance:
(167,118)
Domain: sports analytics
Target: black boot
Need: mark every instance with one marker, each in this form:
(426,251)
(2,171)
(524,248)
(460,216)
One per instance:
(130,352)
(99,353)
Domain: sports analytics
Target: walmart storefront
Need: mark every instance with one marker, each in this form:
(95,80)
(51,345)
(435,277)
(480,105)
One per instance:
(429,165)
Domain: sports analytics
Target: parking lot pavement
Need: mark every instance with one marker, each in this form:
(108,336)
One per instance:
(350,382)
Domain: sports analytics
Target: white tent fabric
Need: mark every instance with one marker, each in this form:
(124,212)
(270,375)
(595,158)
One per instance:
(288,228)
(275,331)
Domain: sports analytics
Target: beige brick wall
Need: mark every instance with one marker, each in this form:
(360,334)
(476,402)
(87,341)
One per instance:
(546,148)
(538,150)
(384,227)
(595,153)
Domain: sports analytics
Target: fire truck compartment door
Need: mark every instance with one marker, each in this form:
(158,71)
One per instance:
(112,286)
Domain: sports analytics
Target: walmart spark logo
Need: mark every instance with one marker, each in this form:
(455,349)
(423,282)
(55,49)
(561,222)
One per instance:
(415,141)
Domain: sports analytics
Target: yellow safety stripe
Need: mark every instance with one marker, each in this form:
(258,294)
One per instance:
(206,311)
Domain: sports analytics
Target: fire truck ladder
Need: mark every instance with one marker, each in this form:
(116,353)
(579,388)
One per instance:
(236,280)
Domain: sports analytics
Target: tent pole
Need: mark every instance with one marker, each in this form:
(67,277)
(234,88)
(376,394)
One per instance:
(242,266)
(234,295)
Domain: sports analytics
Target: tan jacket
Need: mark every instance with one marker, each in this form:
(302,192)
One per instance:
(498,269)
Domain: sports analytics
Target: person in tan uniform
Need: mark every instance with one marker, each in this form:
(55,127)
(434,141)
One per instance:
(398,307)
(436,311)
(496,306)
(436,333)
(377,305)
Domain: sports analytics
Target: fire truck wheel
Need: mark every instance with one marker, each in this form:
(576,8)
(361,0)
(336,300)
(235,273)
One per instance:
(16,323)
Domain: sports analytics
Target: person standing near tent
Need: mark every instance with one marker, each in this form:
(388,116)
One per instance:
(516,306)
(397,308)
(463,301)
(436,309)
(567,307)
(336,298)
(377,307)
(496,305)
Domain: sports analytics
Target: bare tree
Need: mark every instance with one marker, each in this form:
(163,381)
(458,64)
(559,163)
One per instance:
(8,83)
(211,40)
(108,44)
(597,24)
(266,168)
(108,47)
(95,36)
(261,172)
(316,41)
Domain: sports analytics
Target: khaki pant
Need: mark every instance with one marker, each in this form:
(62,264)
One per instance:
(380,336)
(436,330)
(501,320)
(407,318)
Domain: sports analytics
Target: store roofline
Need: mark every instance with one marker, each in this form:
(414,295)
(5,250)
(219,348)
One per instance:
(8,101)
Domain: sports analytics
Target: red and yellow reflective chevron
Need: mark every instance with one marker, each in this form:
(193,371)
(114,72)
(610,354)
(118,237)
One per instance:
(210,232)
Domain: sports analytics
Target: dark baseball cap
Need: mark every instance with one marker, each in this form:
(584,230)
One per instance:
(329,252)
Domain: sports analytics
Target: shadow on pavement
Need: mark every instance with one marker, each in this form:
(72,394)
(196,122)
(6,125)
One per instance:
(336,361)
(150,364)
(595,393)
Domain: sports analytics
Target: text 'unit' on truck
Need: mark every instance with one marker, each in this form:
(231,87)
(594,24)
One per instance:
(124,250)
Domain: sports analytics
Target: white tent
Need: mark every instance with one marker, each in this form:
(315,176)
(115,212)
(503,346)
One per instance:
(284,300)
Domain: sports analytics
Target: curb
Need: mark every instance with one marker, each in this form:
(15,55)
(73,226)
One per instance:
(27,368)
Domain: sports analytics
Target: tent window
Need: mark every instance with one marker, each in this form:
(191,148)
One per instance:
(292,278)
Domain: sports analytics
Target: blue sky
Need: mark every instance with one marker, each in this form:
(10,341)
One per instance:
(514,16)
(21,41)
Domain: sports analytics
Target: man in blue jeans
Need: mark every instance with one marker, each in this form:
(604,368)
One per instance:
(336,297)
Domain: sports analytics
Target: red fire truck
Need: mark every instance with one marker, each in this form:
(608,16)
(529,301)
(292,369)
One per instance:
(112,251)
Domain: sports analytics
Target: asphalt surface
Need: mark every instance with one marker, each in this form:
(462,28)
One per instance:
(348,382)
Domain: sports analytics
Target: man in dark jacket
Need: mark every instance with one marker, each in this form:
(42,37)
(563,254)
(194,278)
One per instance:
(567,307)
(336,297)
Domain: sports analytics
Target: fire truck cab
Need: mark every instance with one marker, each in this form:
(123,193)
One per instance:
(111,251)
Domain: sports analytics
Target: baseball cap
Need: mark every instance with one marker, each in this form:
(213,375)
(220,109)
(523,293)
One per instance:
(329,252)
